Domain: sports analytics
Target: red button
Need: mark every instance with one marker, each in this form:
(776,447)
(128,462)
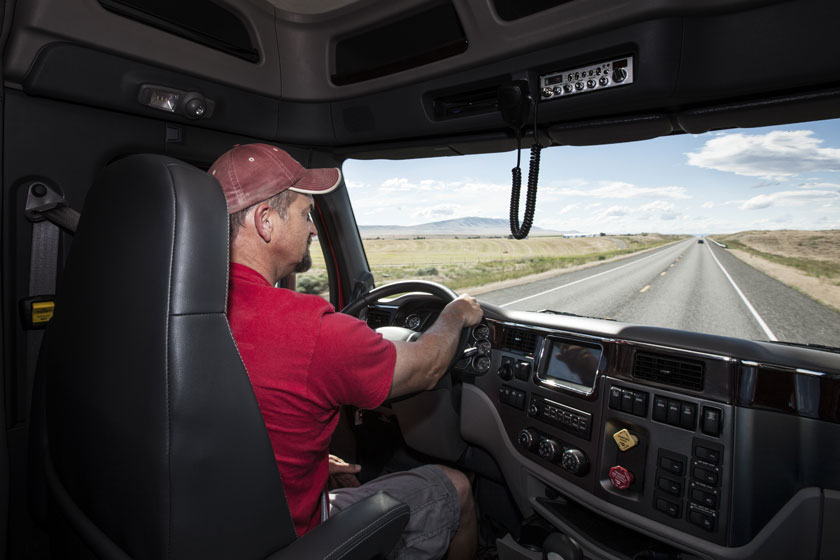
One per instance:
(621,478)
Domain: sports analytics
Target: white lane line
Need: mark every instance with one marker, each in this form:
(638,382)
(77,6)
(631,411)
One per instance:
(581,280)
(761,323)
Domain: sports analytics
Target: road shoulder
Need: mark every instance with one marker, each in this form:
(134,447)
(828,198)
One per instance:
(819,289)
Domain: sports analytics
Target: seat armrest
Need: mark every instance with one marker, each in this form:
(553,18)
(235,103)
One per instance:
(367,529)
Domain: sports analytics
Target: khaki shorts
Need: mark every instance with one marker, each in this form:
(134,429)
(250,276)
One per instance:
(434,505)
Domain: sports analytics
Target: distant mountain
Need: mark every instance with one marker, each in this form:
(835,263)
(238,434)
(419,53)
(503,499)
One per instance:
(459,226)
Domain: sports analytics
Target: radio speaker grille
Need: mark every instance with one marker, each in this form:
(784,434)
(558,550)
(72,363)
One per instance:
(687,374)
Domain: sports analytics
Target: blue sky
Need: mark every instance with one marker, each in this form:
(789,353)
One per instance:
(783,177)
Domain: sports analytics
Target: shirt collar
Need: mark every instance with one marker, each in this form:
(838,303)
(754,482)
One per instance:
(248,274)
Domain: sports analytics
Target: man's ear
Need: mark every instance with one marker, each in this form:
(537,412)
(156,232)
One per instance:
(262,221)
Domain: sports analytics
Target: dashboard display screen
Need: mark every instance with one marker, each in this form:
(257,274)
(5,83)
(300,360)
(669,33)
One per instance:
(572,364)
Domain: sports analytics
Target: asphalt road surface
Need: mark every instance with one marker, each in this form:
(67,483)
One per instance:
(690,286)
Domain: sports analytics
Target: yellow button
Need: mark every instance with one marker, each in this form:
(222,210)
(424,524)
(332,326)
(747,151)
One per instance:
(625,440)
(42,312)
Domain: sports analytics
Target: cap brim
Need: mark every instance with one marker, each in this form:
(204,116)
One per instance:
(318,181)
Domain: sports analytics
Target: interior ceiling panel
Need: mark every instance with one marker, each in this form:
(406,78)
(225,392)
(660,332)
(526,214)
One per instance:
(296,38)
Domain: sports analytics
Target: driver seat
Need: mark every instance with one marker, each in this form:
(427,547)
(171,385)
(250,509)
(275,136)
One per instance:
(149,433)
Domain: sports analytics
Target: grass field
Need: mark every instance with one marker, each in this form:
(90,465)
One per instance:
(460,262)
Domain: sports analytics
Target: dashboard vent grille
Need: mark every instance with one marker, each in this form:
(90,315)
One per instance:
(377,317)
(687,374)
(521,340)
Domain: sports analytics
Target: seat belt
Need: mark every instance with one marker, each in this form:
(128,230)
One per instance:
(46,203)
(49,212)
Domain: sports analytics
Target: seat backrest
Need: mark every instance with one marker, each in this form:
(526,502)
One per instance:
(156,446)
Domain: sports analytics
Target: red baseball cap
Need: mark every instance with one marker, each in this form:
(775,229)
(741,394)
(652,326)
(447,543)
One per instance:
(251,173)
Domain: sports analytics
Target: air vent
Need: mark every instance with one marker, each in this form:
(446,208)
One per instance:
(520,341)
(378,317)
(687,374)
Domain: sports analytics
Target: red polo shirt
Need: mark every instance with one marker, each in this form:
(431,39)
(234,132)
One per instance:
(304,361)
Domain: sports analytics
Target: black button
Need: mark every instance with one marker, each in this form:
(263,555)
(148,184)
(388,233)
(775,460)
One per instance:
(583,424)
(712,420)
(672,465)
(615,398)
(674,410)
(708,499)
(522,371)
(703,520)
(519,400)
(640,404)
(688,417)
(670,508)
(660,409)
(708,455)
(504,394)
(708,476)
(670,486)
(627,401)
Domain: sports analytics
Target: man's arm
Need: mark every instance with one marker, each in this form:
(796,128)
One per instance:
(421,364)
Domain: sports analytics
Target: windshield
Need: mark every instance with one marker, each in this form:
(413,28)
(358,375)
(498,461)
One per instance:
(731,233)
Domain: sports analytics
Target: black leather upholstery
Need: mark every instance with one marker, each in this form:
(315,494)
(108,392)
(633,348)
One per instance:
(156,447)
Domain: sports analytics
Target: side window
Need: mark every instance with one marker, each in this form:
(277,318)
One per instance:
(315,280)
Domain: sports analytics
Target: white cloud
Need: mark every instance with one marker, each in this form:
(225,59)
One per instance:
(480,188)
(397,184)
(658,206)
(777,154)
(708,205)
(788,198)
(438,212)
(614,211)
(354,185)
(619,189)
(567,209)
(819,186)
(401,184)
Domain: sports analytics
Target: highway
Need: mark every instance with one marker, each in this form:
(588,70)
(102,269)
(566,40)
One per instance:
(689,286)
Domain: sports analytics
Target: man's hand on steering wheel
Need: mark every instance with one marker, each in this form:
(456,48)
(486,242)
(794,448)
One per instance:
(421,364)
(469,309)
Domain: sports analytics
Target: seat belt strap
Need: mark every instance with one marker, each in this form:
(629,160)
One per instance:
(46,203)
(47,209)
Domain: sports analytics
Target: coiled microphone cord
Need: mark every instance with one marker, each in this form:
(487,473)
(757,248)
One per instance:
(517,231)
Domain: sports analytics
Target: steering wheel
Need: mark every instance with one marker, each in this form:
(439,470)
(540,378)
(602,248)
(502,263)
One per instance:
(400,287)
(429,420)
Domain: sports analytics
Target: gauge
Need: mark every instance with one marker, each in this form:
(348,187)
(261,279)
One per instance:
(413,321)
(481,332)
(483,347)
(481,364)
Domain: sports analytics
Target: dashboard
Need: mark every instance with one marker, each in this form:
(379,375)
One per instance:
(627,437)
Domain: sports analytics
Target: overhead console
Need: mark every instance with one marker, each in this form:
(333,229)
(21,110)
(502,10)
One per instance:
(608,424)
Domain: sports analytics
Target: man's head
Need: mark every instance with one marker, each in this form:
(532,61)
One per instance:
(269,197)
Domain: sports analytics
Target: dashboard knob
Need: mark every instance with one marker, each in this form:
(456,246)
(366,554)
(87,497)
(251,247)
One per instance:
(621,478)
(527,439)
(619,75)
(506,372)
(575,461)
(548,449)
